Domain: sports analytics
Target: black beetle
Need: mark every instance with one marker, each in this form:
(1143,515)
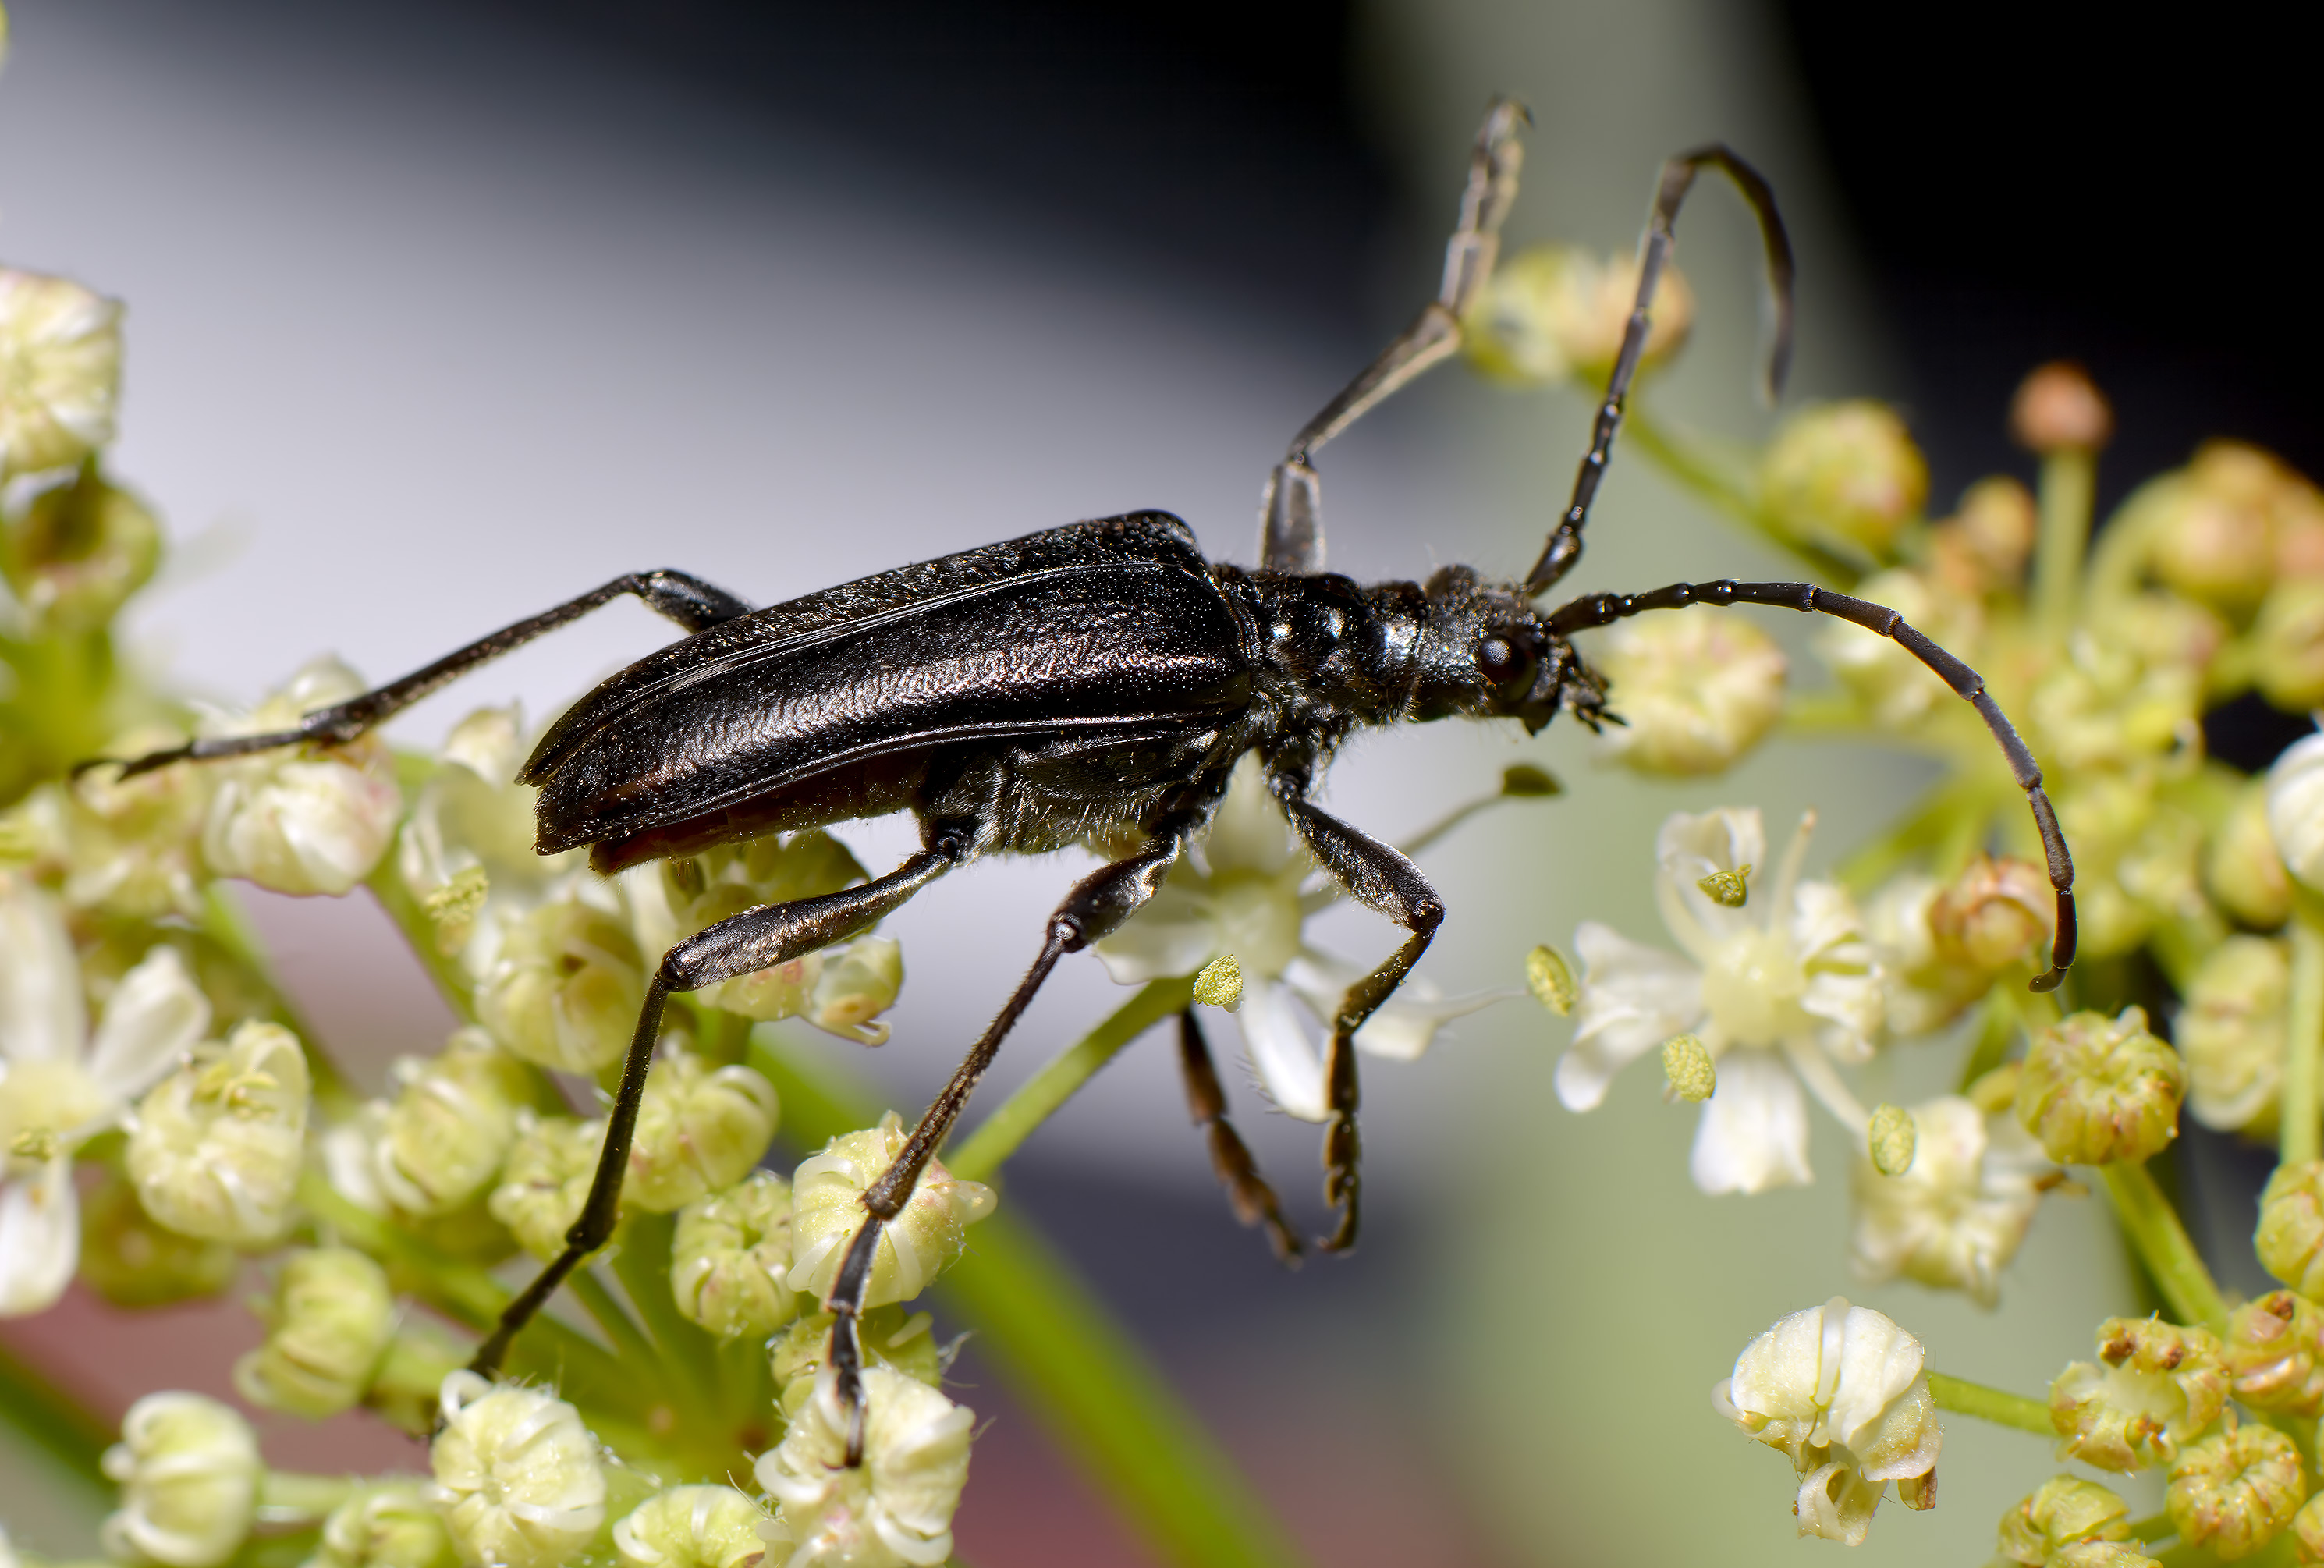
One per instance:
(1094,682)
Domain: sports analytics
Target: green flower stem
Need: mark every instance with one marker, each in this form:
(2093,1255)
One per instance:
(641,1263)
(2154,1527)
(2302,1139)
(52,1420)
(631,1342)
(285,1497)
(2068,483)
(1997,1027)
(1963,1397)
(1104,1405)
(386,885)
(2163,1245)
(1683,459)
(997,1138)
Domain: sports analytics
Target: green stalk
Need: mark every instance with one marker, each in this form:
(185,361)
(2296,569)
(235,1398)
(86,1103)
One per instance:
(1106,1408)
(630,1342)
(2068,483)
(285,1497)
(1682,459)
(2163,1245)
(1963,1397)
(1033,1103)
(2302,1139)
(55,1422)
(641,1263)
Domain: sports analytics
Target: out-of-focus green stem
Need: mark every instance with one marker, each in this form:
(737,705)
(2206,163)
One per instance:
(999,1134)
(2163,1245)
(2069,485)
(1684,460)
(386,885)
(1107,1408)
(1963,1397)
(285,1496)
(225,922)
(642,1262)
(2304,1052)
(54,1422)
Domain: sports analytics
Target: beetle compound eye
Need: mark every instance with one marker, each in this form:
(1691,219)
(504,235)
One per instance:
(1502,661)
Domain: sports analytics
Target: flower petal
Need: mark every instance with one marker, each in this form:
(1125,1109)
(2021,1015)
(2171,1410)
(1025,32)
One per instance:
(1754,1132)
(42,1016)
(1633,999)
(1173,935)
(157,1014)
(1404,1026)
(1285,1058)
(1692,846)
(1249,832)
(39,1238)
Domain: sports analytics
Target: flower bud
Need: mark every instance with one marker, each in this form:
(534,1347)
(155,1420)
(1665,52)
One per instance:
(2288,644)
(899,1343)
(1844,474)
(1695,691)
(60,372)
(1996,915)
(2235,1490)
(2308,1531)
(1688,1070)
(300,820)
(132,1261)
(132,846)
(564,987)
(2057,408)
(2096,1089)
(1896,689)
(900,1500)
(1550,980)
(328,1326)
(546,1178)
(2272,1349)
(2064,1510)
(1220,983)
(915,1247)
(2160,1385)
(188,1470)
(1554,312)
(385,1526)
(1957,1206)
(443,1137)
(1891,1141)
(2290,1239)
(78,550)
(700,1129)
(730,1259)
(216,1149)
(691,1527)
(518,1479)
(2241,868)
(1983,547)
(2231,1033)
(2100,1555)
(858,983)
(2295,809)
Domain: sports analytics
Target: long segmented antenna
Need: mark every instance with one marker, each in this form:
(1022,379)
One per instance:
(1604,609)
(1559,556)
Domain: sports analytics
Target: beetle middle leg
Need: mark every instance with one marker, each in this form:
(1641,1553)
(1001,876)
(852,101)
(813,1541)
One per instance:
(1253,1201)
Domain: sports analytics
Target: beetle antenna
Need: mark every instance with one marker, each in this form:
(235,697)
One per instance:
(1564,547)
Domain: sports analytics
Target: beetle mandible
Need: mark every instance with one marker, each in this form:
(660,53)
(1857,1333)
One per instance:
(1093,682)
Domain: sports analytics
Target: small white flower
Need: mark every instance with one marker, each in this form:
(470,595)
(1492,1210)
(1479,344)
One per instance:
(919,1243)
(1238,892)
(216,1149)
(328,1325)
(1954,1218)
(518,1478)
(59,1085)
(188,1470)
(2295,809)
(1841,1391)
(300,822)
(692,1526)
(1695,691)
(59,370)
(897,1509)
(385,1526)
(1777,991)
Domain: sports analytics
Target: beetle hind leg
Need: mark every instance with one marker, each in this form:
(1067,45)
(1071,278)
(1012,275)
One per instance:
(1248,1193)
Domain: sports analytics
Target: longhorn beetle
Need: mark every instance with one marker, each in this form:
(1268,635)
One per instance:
(1086,683)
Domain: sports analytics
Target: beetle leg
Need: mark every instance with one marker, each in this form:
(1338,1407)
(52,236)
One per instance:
(1378,877)
(687,600)
(1291,526)
(1096,908)
(1253,1201)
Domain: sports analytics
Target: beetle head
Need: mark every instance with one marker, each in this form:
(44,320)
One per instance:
(1486,653)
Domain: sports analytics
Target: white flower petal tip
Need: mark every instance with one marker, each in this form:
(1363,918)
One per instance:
(1754,1132)
(518,1481)
(897,1506)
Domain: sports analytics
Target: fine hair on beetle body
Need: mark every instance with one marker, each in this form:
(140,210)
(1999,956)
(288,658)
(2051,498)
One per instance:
(1097,683)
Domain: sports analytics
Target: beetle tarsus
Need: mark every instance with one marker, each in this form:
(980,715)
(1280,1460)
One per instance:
(1248,1193)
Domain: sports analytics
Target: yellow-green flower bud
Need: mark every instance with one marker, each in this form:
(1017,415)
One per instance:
(2062,1512)
(889,1337)
(1890,1140)
(1688,1070)
(188,1471)
(1983,547)
(60,372)
(730,1259)
(298,820)
(2308,1531)
(915,1247)
(691,1527)
(132,846)
(2295,809)
(2057,408)
(1220,983)
(385,1526)
(1695,691)
(518,1478)
(132,1261)
(1550,980)
(2099,1555)
(328,1326)
(2235,1490)
(564,987)
(2211,527)
(216,1147)
(450,1124)
(700,1129)
(452,907)
(2096,1089)
(1996,914)
(897,1506)
(2159,1385)
(2241,868)
(2288,643)
(78,550)
(2273,1349)
(1727,890)
(545,1179)
(2231,1033)
(1845,474)
(1555,312)
(858,983)
(2290,1239)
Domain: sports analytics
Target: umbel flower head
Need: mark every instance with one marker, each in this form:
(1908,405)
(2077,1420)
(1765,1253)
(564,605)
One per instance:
(518,1478)
(60,1086)
(1238,893)
(59,370)
(915,1246)
(1841,1391)
(2155,1387)
(216,1149)
(897,1509)
(1558,312)
(1845,476)
(1695,692)
(1955,1216)
(188,1471)
(1778,990)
